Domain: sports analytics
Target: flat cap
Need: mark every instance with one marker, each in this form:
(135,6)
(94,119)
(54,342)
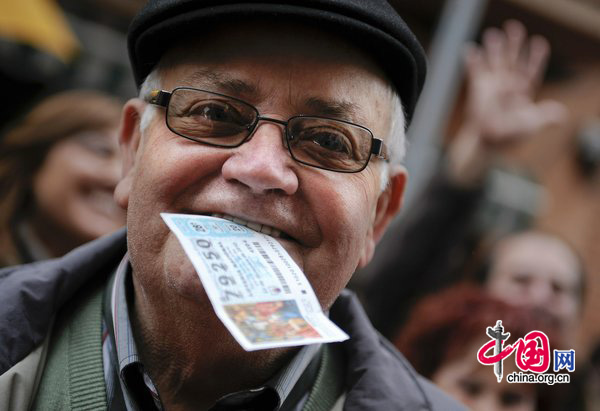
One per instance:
(373,25)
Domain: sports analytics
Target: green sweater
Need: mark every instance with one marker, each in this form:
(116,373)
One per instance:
(73,377)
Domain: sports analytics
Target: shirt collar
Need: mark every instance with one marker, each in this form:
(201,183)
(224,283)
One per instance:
(127,352)
(134,380)
(128,358)
(286,379)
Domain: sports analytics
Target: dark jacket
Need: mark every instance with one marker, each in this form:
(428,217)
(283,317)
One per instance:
(377,376)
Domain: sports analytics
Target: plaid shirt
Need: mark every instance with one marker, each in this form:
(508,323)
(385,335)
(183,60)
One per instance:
(130,387)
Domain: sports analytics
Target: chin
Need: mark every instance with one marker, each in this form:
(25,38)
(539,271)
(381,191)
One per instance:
(189,288)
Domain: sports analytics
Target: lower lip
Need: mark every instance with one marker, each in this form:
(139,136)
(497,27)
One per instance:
(292,248)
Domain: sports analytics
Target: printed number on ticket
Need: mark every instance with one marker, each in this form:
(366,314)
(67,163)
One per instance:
(255,287)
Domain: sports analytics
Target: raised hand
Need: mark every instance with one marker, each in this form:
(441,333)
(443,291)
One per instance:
(503,76)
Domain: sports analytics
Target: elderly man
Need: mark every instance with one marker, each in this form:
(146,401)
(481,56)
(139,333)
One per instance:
(287,117)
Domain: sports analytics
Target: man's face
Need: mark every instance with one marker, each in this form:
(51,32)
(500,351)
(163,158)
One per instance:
(330,220)
(540,271)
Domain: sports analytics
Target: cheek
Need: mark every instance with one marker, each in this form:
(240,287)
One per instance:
(568,304)
(172,166)
(343,210)
(153,250)
(350,212)
(58,180)
(170,177)
(345,214)
(69,168)
(501,283)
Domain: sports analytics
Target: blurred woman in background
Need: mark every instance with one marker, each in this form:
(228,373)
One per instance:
(58,170)
(444,333)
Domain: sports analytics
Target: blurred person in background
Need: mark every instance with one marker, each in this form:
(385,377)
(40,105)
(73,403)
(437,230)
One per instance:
(533,269)
(538,269)
(503,76)
(58,170)
(444,333)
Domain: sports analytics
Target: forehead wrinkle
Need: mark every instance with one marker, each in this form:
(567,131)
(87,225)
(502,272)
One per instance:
(219,81)
(343,110)
(222,81)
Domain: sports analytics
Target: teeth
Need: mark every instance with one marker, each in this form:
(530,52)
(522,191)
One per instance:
(265,229)
(254,226)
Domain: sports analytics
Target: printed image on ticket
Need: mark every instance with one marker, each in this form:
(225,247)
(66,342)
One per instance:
(255,287)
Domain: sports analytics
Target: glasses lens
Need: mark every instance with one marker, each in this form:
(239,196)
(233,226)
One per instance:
(209,118)
(330,144)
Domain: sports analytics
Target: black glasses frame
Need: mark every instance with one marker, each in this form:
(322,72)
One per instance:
(162,98)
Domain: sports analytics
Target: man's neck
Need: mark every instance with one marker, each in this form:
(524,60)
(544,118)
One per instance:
(192,358)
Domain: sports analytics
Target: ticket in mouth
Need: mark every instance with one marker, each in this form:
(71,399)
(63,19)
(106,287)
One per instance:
(255,287)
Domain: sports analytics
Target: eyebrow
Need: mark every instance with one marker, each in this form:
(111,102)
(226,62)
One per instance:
(220,82)
(343,110)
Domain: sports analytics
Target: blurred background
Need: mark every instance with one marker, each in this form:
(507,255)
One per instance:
(542,175)
(48,46)
(550,180)
(504,193)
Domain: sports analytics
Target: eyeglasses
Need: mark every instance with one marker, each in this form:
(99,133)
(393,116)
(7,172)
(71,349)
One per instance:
(222,121)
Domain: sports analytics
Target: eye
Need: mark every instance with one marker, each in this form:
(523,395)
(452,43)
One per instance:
(522,278)
(558,288)
(215,111)
(471,387)
(331,140)
(95,143)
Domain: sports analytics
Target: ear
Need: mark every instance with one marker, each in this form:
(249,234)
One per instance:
(388,205)
(129,141)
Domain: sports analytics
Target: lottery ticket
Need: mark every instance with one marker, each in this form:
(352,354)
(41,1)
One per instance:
(255,287)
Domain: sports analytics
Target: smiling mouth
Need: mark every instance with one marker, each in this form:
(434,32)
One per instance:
(261,228)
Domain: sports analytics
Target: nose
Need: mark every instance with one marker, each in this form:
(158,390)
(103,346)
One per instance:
(262,163)
(539,294)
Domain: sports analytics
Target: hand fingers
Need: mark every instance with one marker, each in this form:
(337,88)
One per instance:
(473,60)
(493,48)
(515,42)
(539,52)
